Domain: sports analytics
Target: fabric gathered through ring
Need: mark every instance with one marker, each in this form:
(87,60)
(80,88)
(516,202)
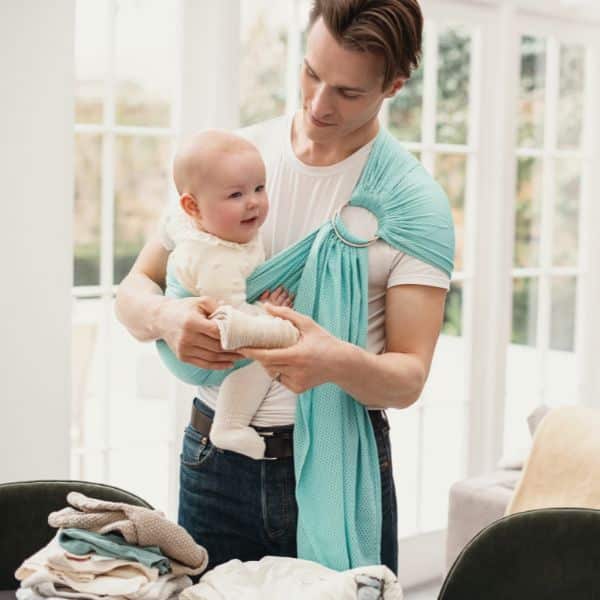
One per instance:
(338,215)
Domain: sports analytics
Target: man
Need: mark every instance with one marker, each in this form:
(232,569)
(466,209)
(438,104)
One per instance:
(359,52)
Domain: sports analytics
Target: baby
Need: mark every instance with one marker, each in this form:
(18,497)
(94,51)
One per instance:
(220,179)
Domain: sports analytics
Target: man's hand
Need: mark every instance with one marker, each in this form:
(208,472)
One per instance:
(193,338)
(307,363)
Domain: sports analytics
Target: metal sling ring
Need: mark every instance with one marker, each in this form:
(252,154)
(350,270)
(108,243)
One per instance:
(343,239)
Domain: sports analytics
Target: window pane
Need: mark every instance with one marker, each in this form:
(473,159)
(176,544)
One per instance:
(91,41)
(144,59)
(444,401)
(566,212)
(89,349)
(86,265)
(84,344)
(404,437)
(444,432)
(143,471)
(450,172)
(530,116)
(406,109)
(523,394)
(570,103)
(562,326)
(88,466)
(561,380)
(109,364)
(142,181)
(138,392)
(524,311)
(304,8)
(528,212)
(453,310)
(453,85)
(263,59)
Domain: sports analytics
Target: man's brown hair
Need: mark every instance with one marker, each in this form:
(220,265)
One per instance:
(390,28)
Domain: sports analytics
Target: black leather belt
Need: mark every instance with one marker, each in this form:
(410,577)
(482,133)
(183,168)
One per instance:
(278,444)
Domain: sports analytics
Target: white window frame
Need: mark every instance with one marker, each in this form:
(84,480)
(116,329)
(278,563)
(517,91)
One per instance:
(489,226)
(108,130)
(556,32)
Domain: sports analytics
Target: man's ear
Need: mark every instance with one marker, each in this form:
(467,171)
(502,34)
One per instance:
(395,86)
(189,205)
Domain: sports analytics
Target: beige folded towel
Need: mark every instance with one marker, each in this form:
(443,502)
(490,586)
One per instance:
(563,467)
(138,525)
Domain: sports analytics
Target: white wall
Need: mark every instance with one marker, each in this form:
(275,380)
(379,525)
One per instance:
(36,162)
(209,76)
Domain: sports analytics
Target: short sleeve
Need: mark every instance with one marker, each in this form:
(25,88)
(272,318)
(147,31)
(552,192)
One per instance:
(174,226)
(163,233)
(407,270)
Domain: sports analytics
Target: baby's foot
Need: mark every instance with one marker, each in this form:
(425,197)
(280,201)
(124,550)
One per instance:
(243,440)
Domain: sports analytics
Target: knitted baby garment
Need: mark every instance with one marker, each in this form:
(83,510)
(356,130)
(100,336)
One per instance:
(137,524)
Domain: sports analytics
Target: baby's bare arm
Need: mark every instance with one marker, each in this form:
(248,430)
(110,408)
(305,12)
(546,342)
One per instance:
(182,323)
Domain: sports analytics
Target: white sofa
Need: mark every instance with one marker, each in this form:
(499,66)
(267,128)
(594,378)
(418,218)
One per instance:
(474,504)
(477,502)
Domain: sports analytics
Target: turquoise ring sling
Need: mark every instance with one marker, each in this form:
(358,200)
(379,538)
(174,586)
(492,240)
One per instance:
(338,487)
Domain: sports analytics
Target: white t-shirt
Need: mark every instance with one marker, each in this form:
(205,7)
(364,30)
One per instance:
(302,198)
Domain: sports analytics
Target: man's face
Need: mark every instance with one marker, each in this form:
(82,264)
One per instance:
(341,88)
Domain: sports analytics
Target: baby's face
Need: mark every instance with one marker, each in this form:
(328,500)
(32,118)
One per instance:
(233,200)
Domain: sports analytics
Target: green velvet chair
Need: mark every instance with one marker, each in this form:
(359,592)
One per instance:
(544,554)
(24,509)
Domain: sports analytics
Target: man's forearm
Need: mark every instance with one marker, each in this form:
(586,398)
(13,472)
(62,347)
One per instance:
(137,306)
(389,380)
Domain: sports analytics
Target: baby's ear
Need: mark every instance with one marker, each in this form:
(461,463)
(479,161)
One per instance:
(189,205)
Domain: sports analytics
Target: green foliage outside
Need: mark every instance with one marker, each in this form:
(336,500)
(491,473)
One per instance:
(87,262)
(262,73)
(453,311)
(454,64)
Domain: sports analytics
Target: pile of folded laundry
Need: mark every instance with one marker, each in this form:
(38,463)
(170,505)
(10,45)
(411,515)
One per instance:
(111,549)
(116,551)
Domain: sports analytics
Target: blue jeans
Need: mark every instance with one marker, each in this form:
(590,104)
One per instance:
(237,507)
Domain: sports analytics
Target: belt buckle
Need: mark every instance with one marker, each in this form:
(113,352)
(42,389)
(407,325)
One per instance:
(267,434)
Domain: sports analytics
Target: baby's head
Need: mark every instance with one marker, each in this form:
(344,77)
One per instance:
(220,178)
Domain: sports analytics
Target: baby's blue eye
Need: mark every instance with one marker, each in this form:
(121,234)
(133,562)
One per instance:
(235,195)
(260,188)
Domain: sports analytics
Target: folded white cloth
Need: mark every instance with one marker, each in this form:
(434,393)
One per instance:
(124,583)
(167,587)
(81,569)
(282,578)
(30,594)
(53,572)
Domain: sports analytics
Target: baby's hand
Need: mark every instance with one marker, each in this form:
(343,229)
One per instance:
(280,297)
